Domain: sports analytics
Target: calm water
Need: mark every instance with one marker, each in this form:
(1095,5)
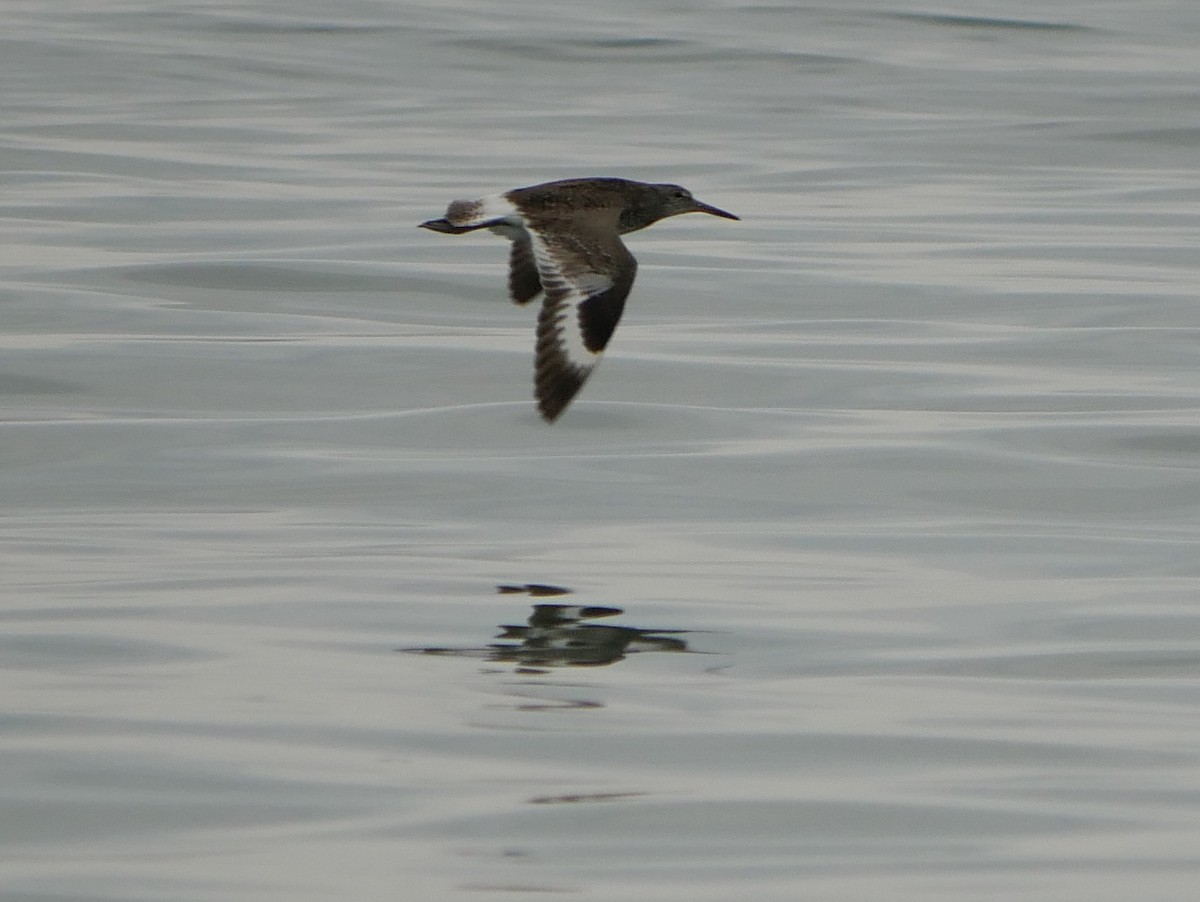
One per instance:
(865,567)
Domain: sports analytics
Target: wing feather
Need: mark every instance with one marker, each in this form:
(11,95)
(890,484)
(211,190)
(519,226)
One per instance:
(587,276)
(523,282)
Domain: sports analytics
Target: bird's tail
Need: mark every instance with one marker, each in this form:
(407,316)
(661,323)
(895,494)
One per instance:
(496,213)
(448,228)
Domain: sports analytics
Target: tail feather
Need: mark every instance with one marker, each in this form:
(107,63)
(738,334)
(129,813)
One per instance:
(495,212)
(447,227)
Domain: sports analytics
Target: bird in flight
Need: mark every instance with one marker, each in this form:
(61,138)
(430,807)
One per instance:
(566,244)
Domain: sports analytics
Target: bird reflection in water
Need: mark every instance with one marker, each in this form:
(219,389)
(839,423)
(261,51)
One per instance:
(560,635)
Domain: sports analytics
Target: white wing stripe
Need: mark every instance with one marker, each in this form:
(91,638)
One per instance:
(567,297)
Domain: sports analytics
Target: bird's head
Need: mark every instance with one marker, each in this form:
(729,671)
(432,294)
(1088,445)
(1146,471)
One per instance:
(676,199)
(660,201)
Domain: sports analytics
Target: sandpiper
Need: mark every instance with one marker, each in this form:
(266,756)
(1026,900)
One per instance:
(566,242)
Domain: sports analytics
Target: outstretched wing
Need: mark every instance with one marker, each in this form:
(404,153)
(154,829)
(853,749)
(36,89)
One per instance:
(586,273)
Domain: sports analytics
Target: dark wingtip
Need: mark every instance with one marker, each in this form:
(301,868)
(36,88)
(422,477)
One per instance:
(554,390)
(550,411)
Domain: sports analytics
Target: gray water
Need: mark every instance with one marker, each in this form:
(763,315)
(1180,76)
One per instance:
(888,495)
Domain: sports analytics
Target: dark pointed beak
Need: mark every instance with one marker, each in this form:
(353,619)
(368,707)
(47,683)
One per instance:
(701,207)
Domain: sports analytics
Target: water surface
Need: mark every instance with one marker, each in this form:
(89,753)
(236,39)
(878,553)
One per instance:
(873,538)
